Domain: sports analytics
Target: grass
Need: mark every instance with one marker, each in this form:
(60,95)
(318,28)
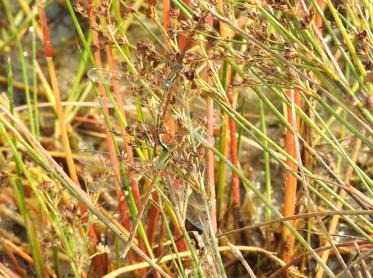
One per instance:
(118,176)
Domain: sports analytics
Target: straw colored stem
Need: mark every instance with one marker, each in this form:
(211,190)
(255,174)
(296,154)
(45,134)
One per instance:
(210,154)
(133,198)
(186,254)
(56,91)
(20,86)
(61,121)
(23,64)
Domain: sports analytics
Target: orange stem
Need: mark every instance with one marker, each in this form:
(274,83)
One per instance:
(153,217)
(290,189)
(182,40)
(317,18)
(166,14)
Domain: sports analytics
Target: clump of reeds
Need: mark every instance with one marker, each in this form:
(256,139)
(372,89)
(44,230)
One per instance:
(195,138)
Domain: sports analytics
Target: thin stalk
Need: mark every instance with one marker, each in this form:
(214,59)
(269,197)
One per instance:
(172,239)
(56,91)
(166,14)
(162,160)
(20,192)
(86,43)
(44,83)
(285,62)
(195,258)
(23,65)
(74,109)
(290,188)
(56,262)
(346,39)
(35,84)
(74,91)
(346,57)
(118,98)
(305,184)
(210,155)
(154,211)
(185,9)
(224,130)
(332,141)
(267,168)
(223,147)
(239,137)
(235,183)
(171,257)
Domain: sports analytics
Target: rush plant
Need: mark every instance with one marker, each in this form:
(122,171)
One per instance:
(186,138)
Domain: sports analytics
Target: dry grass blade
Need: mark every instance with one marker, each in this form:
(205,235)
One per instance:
(238,255)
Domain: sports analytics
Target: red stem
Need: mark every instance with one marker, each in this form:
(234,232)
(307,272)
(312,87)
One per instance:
(234,157)
(45,29)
